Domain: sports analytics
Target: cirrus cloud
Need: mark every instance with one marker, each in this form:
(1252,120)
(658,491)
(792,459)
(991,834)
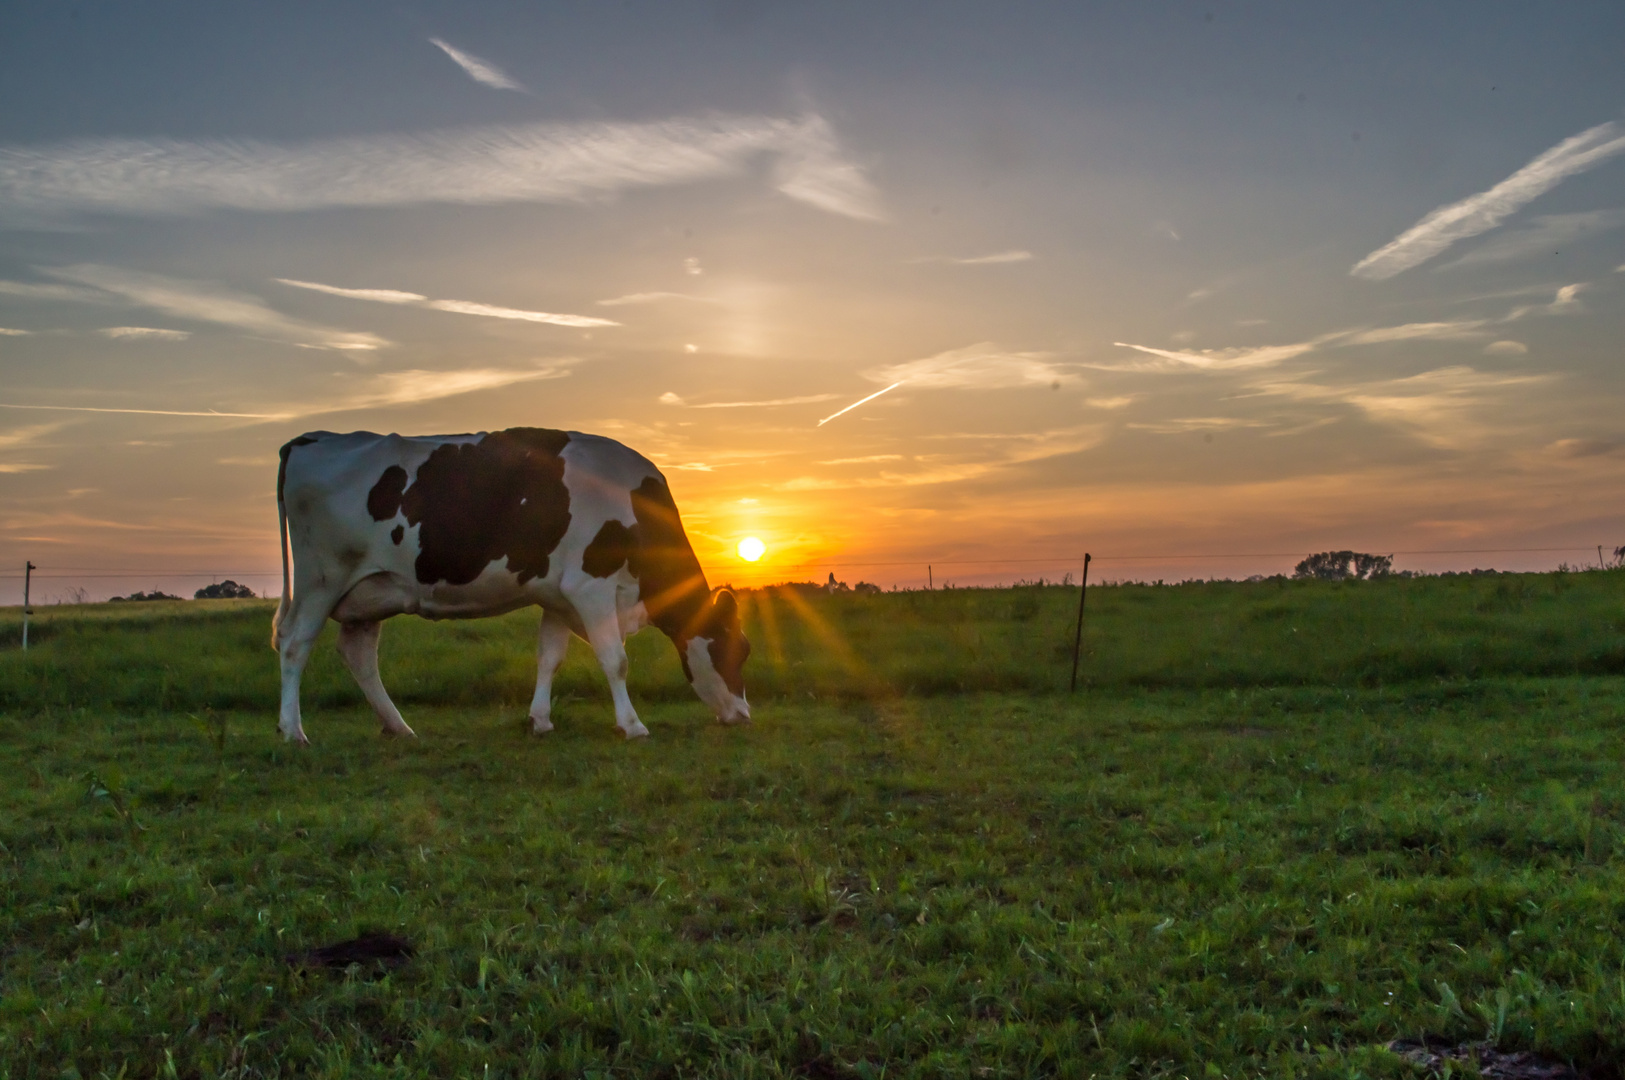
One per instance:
(143,333)
(201,302)
(460,307)
(474,166)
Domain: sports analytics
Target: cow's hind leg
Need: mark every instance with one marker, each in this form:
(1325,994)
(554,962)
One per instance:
(296,635)
(552,643)
(358,645)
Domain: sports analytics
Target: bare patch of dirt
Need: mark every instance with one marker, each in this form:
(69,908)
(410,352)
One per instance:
(1435,1054)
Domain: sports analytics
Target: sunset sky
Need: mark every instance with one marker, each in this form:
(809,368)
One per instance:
(1152,279)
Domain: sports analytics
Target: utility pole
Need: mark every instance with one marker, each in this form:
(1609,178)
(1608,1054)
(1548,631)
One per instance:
(28,576)
(928,582)
(1077,638)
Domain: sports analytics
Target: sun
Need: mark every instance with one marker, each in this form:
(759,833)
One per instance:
(751,549)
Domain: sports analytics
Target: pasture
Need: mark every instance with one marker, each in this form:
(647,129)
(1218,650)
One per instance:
(1280,824)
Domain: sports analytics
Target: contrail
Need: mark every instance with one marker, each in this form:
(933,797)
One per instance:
(855,404)
(147,412)
(1482,212)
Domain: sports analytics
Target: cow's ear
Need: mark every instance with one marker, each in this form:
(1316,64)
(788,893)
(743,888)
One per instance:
(725,603)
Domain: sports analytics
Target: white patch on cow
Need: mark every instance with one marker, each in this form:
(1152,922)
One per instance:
(730,708)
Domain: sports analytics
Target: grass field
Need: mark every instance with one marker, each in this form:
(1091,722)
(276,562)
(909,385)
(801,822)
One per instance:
(1282,824)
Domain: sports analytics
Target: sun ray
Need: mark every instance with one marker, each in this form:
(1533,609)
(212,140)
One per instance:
(761,602)
(824,632)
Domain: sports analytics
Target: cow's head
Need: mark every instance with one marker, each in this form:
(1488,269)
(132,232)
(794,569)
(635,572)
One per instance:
(714,658)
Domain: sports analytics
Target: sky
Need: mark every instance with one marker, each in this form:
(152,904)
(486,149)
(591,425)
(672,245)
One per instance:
(1198,288)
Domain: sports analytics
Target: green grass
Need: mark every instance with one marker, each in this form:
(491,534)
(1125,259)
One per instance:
(1283,825)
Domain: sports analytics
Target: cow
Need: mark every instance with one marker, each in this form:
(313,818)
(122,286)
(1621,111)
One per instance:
(464,526)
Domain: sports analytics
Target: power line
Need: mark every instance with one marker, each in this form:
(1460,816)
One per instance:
(839,564)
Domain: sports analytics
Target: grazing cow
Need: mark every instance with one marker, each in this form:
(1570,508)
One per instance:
(462,526)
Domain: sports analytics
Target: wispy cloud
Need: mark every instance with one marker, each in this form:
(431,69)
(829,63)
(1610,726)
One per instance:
(143,333)
(1198,423)
(652,298)
(378,296)
(8,332)
(1449,330)
(983,366)
(1484,211)
(148,412)
(415,387)
(481,71)
(1545,236)
(491,311)
(869,460)
(203,302)
(37,290)
(1225,359)
(21,467)
(479,166)
(29,435)
(382,390)
(996,259)
(1506,348)
(1262,356)
(460,307)
(669,398)
(1587,448)
(1437,405)
(1004,452)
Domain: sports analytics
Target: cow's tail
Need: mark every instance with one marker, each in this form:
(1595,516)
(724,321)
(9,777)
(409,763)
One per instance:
(287,587)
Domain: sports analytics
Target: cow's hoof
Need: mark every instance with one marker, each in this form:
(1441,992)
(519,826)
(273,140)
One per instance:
(402,732)
(298,738)
(540,725)
(636,731)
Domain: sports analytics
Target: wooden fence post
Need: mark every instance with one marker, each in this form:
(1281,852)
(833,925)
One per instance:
(1077,637)
(28,578)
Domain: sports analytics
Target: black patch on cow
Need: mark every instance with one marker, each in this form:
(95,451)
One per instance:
(384,500)
(501,497)
(282,467)
(396,533)
(673,589)
(610,549)
(727,645)
(670,581)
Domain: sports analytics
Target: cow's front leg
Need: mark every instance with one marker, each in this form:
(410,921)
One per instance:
(552,643)
(604,633)
(358,645)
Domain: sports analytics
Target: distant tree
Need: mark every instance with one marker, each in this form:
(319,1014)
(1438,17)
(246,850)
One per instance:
(1343,565)
(1372,566)
(224,590)
(140,596)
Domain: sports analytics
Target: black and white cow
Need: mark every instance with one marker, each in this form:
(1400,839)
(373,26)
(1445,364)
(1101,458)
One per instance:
(462,526)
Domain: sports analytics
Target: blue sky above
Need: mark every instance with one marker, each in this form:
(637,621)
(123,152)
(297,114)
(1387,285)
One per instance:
(1146,279)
